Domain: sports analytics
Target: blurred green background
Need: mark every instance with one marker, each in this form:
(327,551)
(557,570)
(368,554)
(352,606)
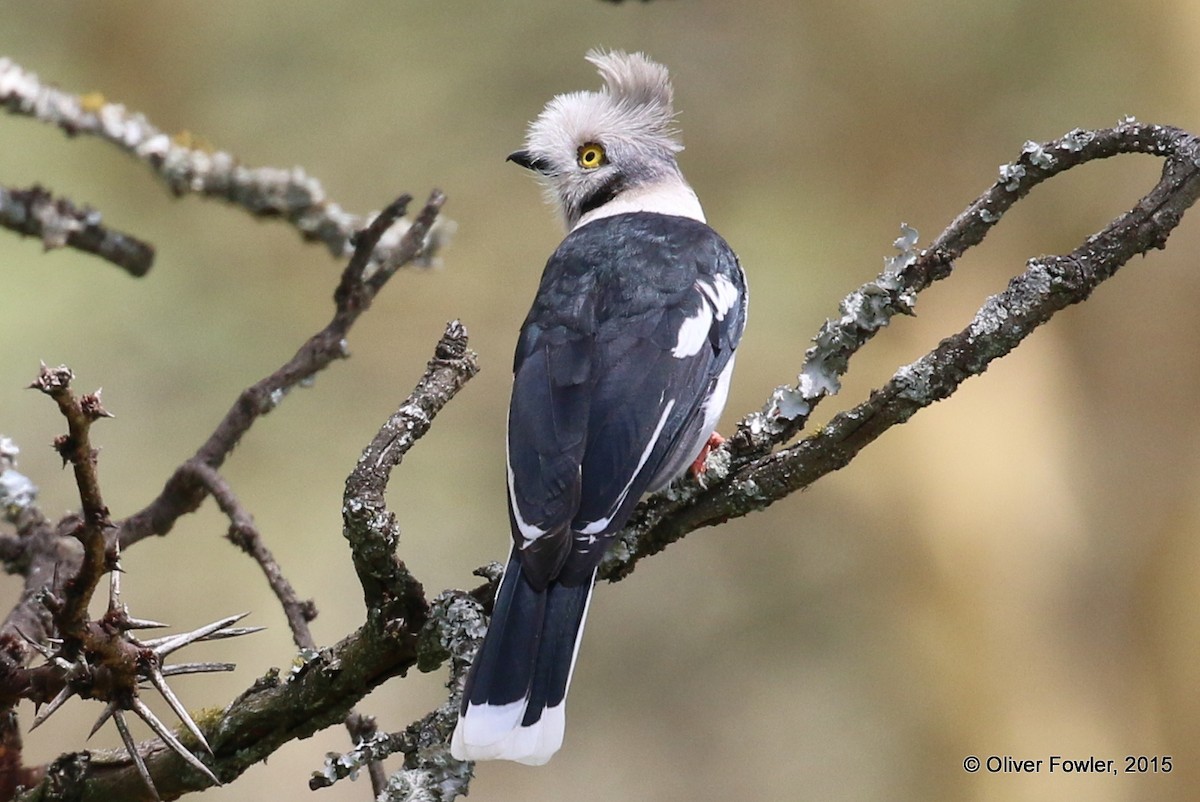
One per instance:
(1014,572)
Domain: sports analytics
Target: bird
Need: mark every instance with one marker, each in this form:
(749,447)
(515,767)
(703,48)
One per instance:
(622,369)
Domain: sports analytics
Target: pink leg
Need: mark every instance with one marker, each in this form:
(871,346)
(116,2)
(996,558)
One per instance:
(698,467)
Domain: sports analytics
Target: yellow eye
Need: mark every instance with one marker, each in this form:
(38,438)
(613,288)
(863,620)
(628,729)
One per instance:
(591,156)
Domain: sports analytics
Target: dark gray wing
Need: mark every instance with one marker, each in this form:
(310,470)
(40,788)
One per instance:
(618,368)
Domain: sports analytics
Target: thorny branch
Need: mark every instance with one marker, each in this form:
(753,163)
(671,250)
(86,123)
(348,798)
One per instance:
(192,482)
(386,244)
(321,691)
(70,611)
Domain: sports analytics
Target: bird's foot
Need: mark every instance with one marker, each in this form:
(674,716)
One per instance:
(700,465)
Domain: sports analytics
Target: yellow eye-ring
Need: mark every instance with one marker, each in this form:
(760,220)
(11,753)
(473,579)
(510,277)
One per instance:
(590,156)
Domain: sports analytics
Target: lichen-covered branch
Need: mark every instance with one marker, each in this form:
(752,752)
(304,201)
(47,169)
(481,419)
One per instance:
(187,166)
(368,525)
(868,309)
(183,166)
(59,223)
(748,476)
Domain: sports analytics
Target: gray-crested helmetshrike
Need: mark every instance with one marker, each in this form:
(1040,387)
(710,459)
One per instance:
(621,372)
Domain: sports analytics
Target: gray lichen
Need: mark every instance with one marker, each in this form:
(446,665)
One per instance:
(1038,156)
(1077,139)
(1011,175)
(455,628)
(17,491)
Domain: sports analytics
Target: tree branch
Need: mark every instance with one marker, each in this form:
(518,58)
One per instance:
(245,535)
(183,492)
(58,223)
(70,612)
(187,167)
(193,480)
(759,465)
(322,691)
(368,525)
(749,477)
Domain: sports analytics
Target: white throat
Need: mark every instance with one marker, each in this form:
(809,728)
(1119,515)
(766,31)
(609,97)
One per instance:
(671,196)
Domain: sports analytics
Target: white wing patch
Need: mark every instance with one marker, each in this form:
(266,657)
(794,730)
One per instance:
(721,293)
(693,334)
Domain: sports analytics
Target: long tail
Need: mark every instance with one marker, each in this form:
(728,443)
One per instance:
(514,702)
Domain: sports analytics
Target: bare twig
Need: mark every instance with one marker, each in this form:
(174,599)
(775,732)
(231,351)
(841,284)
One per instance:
(184,492)
(245,535)
(58,223)
(752,478)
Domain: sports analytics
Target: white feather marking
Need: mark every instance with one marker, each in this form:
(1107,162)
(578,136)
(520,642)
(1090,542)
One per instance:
(670,196)
(598,526)
(529,532)
(693,334)
(721,293)
(533,745)
(483,727)
(714,405)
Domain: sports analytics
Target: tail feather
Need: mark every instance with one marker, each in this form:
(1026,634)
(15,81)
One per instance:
(514,703)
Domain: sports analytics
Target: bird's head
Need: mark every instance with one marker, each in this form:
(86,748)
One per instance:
(596,148)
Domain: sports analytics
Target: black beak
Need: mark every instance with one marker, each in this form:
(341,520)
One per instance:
(529,162)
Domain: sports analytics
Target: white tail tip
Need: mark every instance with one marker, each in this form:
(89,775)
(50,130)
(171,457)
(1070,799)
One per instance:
(492,732)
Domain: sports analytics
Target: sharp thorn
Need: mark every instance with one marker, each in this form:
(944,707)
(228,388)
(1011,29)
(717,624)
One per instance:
(164,646)
(37,647)
(156,677)
(141,623)
(105,716)
(49,709)
(131,748)
(232,632)
(168,737)
(114,589)
(196,668)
